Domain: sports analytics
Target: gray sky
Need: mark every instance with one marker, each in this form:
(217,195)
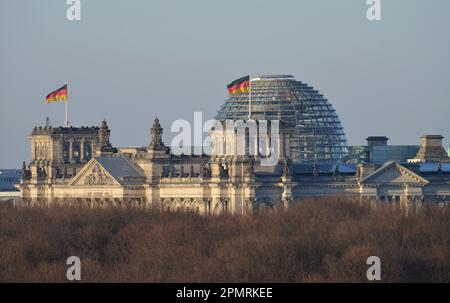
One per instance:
(128,61)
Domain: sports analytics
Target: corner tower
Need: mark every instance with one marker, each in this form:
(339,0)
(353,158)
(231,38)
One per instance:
(58,153)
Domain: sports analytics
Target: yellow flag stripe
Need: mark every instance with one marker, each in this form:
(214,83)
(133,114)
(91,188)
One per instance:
(57,98)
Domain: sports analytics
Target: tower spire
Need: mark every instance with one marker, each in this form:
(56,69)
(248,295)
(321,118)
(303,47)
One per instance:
(156,135)
(104,133)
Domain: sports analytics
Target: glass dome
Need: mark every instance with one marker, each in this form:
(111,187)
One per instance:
(316,133)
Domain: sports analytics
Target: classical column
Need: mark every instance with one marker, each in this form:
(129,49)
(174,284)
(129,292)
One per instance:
(47,150)
(256,146)
(36,147)
(235,142)
(39,150)
(61,150)
(82,149)
(92,148)
(34,151)
(224,141)
(42,150)
(50,150)
(70,150)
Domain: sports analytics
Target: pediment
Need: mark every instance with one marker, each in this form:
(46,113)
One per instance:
(394,173)
(93,174)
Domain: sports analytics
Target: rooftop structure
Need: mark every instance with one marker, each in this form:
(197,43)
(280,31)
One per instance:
(8,179)
(377,151)
(431,150)
(316,133)
(9,193)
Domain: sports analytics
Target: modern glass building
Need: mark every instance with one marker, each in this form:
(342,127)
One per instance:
(9,178)
(377,151)
(316,133)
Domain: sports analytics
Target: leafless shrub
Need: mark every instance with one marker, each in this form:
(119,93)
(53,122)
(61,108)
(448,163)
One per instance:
(317,240)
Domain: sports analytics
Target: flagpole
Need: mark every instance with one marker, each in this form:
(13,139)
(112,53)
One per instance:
(66,122)
(249,97)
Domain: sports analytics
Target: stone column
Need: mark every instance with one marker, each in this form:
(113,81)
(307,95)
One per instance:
(235,143)
(70,150)
(82,149)
(38,150)
(44,150)
(256,146)
(61,149)
(51,150)
(224,140)
(47,150)
(42,155)
(92,148)
(33,150)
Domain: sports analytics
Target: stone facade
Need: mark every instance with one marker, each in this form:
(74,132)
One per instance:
(80,166)
(431,149)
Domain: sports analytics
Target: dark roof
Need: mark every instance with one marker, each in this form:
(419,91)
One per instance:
(377,138)
(84,130)
(349,168)
(325,168)
(9,177)
(10,173)
(445,167)
(121,169)
(304,168)
(275,76)
(430,167)
(432,137)
(434,167)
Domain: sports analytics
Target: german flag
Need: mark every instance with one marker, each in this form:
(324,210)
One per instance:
(58,95)
(239,86)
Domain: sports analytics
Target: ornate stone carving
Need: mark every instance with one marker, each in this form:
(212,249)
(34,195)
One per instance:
(205,171)
(251,166)
(171,171)
(26,172)
(41,173)
(223,170)
(181,175)
(97,177)
(103,135)
(156,135)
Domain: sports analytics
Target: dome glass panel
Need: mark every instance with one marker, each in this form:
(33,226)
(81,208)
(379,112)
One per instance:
(315,131)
